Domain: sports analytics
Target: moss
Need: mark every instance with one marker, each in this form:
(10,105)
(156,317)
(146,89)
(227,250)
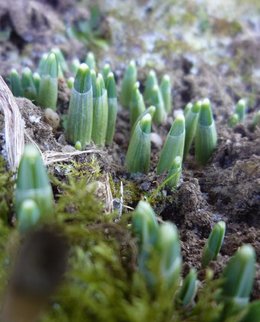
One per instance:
(6,192)
(99,288)
(88,169)
(76,201)
(4,258)
(131,194)
(102,282)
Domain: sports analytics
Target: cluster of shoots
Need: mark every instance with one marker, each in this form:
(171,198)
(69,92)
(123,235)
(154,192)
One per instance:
(157,242)
(239,114)
(93,101)
(197,124)
(93,111)
(155,94)
(159,261)
(93,107)
(41,86)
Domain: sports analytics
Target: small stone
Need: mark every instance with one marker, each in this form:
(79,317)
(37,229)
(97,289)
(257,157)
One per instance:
(52,118)
(156,139)
(34,119)
(68,149)
(145,186)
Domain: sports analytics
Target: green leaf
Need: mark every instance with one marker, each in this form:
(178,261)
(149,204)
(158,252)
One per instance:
(80,115)
(129,79)
(137,106)
(206,134)
(238,277)
(139,149)
(100,113)
(165,87)
(28,215)
(15,83)
(241,109)
(188,288)
(214,243)
(112,107)
(48,91)
(191,122)
(33,183)
(173,146)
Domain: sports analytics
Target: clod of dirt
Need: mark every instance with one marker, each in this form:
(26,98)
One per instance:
(233,183)
(36,129)
(29,20)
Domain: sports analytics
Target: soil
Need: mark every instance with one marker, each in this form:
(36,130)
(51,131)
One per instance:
(228,188)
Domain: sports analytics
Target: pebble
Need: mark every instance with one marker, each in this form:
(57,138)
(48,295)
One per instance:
(52,118)
(145,186)
(156,139)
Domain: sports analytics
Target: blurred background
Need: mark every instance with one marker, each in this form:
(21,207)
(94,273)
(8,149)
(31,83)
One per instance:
(157,34)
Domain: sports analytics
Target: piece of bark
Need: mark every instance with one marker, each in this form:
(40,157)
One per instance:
(13,126)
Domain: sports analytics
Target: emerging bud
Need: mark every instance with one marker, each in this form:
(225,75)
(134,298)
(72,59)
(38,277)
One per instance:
(62,64)
(206,134)
(150,110)
(157,100)
(91,61)
(188,289)
(80,115)
(15,84)
(78,146)
(187,108)
(29,89)
(214,243)
(150,82)
(139,149)
(174,174)
(28,215)
(137,106)
(33,183)
(145,224)
(105,71)
(173,146)
(75,65)
(165,87)
(241,109)
(168,245)
(70,82)
(37,81)
(100,113)
(238,276)
(112,107)
(129,79)
(191,122)
(48,91)
(233,120)
(41,63)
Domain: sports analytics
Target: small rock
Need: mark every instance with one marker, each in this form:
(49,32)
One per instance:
(68,148)
(34,119)
(145,186)
(52,118)
(156,139)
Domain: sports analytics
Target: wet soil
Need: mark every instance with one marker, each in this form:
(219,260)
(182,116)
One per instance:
(227,188)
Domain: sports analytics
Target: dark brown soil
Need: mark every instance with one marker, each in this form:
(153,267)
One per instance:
(228,188)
